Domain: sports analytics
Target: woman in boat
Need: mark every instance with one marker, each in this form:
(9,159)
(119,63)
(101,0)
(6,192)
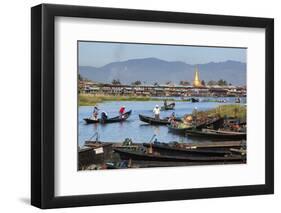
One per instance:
(104,116)
(172,120)
(122,111)
(174,123)
(95,113)
(172,117)
(156,112)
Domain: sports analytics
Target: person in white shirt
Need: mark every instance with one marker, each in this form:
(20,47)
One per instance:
(156,112)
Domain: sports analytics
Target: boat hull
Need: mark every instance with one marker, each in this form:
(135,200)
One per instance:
(110,120)
(168,107)
(179,131)
(138,156)
(216,135)
(153,121)
(166,149)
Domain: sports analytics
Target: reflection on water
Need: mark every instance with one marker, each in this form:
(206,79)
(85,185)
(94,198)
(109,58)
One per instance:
(133,128)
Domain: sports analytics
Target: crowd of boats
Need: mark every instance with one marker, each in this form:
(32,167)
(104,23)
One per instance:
(226,142)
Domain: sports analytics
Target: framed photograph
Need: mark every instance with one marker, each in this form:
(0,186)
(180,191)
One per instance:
(140,106)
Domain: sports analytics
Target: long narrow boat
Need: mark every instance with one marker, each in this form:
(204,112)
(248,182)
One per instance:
(168,149)
(213,134)
(170,106)
(154,121)
(124,117)
(142,156)
(215,122)
(177,130)
(194,100)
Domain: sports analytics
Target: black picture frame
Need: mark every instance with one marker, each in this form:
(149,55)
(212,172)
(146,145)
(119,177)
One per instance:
(43,105)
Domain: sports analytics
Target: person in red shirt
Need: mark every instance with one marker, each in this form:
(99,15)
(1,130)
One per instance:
(122,110)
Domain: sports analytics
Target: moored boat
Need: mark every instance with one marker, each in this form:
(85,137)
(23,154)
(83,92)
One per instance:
(214,122)
(173,149)
(143,156)
(217,134)
(119,118)
(94,153)
(178,130)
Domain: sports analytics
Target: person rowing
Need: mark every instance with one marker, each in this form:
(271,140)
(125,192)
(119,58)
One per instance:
(122,111)
(104,116)
(172,117)
(95,113)
(156,112)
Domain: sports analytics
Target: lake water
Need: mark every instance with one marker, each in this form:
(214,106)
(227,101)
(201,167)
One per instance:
(135,129)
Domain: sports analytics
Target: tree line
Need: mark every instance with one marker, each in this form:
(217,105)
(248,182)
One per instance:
(220,82)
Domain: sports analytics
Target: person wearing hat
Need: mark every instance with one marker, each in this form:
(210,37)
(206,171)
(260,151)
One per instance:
(156,112)
(95,113)
(122,111)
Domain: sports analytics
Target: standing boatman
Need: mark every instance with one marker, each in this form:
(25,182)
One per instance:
(156,112)
(95,113)
(122,111)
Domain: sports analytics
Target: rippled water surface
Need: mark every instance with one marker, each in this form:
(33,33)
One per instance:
(133,128)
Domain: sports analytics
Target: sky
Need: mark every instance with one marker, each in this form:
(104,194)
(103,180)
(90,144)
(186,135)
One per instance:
(98,54)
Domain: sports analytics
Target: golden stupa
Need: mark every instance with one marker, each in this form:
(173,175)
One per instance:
(196,82)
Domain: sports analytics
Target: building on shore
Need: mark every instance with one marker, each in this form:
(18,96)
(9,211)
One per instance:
(167,90)
(161,90)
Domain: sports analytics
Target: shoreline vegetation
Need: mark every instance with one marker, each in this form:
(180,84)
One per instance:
(91,100)
(230,110)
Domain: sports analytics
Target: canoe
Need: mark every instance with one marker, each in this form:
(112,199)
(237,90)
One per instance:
(154,121)
(109,120)
(194,100)
(215,122)
(170,149)
(170,106)
(214,134)
(142,156)
(176,130)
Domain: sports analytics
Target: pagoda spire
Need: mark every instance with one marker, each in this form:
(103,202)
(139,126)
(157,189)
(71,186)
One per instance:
(196,82)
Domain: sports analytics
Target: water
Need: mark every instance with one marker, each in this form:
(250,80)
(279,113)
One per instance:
(135,129)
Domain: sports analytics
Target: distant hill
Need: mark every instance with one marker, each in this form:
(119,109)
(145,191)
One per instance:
(152,70)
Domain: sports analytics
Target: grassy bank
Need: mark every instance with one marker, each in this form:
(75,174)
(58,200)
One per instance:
(91,100)
(232,110)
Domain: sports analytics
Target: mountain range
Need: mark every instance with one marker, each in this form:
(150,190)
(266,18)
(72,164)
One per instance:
(151,70)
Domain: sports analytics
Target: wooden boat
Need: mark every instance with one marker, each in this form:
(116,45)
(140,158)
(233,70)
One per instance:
(194,100)
(94,153)
(172,149)
(109,120)
(215,122)
(170,106)
(177,130)
(217,134)
(154,121)
(142,156)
